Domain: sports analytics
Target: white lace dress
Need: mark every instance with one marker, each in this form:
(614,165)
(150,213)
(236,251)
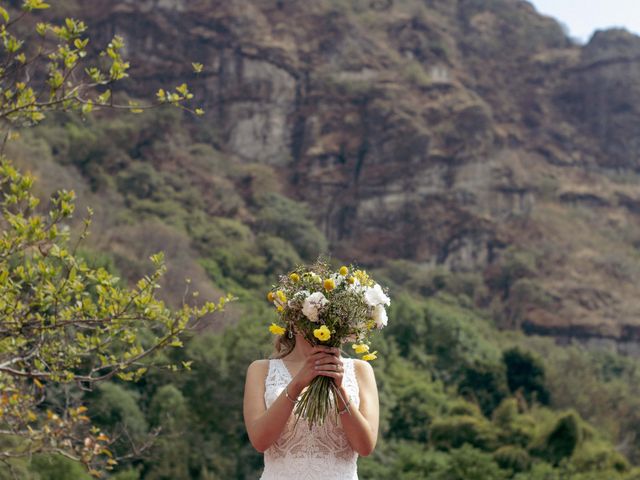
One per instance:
(322,453)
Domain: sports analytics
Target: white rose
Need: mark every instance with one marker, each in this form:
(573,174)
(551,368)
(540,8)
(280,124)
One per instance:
(313,304)
(380,316)
(375,296)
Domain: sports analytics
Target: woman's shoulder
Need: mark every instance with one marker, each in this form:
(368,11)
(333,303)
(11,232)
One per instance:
(362,368)
(260,363)
(259,366)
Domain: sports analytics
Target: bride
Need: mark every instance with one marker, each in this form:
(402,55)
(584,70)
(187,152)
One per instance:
(293,450)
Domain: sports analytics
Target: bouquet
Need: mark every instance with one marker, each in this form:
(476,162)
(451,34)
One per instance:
(328,308)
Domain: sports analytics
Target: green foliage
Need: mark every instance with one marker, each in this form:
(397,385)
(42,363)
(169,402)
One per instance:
(417,403)
(561,441)
(513,458)
(56,467)
(115,405)
(512,266)
(525,373)
(280,216)
(485,384)
(454,432)
(468,463)
(65,323)
(515,428)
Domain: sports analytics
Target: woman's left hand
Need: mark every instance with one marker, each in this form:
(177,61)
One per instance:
(331,365)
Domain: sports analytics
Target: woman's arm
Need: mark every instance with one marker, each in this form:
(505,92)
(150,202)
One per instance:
(361,424)
(263,429)
(264,426)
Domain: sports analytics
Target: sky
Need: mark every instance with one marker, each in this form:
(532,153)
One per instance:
(582,17)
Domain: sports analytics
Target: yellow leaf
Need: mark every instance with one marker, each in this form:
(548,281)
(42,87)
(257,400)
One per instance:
(197,67)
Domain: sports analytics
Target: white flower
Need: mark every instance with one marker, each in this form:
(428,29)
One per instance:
(298,297)
(374,296)
(337,279)
(380,316)
(313,304)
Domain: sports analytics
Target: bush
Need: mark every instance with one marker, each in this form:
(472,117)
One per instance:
(281,256)
(485,384)
(525,373)
(515,428)
(291,221)
(114,405)
(468,463)
(596,456)
(454,432)
(561,441)
(510,457)
(57,467)
(417,404)
(463,407)
(409,326)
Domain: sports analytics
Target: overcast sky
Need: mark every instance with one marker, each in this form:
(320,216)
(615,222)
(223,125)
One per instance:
(582,17)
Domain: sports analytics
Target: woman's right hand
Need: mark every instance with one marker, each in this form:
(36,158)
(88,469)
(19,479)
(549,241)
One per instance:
(319,355)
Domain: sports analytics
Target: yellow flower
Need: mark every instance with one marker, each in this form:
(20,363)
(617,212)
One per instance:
(360,347)
(351,280)
(363,277)
(281,296)
(329,284)
(280,308)
(343,271)
(276,329)
(295,278)
(323,334)
(270,297)
(370,356)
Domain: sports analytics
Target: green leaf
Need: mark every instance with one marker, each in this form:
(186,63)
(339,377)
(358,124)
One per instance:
(87,107)
(30,5)
(4,14)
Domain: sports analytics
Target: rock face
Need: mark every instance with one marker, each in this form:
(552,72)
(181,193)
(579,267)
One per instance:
(602,95)
(447,132)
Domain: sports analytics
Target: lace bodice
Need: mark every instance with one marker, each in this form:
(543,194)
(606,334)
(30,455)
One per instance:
(322,453)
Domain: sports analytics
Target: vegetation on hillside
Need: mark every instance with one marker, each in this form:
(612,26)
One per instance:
(462,396)
(459,398)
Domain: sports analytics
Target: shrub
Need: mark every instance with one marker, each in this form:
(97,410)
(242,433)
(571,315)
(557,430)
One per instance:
(510,457)
(454,432)
(561,441)
(462,407)
(292,221)
(525,372)
(485,384)
(468,463)
(57,467)
(417,404)
(281,256)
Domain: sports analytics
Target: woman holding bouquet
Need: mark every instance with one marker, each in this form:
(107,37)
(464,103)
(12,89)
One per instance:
(311,411)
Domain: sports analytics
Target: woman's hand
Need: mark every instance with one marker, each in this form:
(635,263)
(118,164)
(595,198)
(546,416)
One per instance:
(322,360)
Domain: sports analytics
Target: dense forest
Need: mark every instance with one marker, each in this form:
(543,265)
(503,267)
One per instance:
(465,393)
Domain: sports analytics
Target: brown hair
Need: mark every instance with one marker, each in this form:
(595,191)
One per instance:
(283,345)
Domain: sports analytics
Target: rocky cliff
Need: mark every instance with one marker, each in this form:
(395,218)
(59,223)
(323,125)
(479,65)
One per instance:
(469,134)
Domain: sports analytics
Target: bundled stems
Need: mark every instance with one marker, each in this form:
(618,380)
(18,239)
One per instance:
(315,403)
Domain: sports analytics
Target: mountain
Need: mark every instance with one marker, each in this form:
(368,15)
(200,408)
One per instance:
(467,136)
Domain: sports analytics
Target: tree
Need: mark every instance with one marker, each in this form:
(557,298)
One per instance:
(64,325)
